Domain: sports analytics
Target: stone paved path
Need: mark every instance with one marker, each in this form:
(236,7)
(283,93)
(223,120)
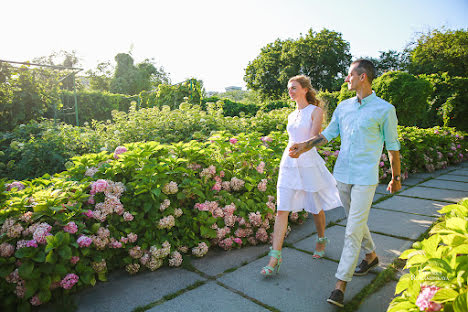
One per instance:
(230,281)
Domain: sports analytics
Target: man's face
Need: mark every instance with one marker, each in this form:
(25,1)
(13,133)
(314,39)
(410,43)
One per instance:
(353,79)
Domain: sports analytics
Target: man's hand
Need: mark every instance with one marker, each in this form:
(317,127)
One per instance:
(394,186)
(297,149)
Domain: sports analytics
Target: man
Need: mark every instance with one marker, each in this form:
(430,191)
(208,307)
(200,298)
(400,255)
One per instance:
(364,123)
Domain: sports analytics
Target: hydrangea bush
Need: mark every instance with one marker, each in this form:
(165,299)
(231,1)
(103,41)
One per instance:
(438,267)
(143,206)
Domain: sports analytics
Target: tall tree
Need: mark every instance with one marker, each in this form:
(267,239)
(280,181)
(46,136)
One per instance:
(131,79)
(441,51)
(323,56)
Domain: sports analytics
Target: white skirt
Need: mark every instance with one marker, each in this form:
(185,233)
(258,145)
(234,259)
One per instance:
(312,188)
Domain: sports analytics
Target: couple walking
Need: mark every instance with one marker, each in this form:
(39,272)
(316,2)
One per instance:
(364,123)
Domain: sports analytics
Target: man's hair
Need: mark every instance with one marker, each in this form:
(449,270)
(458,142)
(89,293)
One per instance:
(366,66)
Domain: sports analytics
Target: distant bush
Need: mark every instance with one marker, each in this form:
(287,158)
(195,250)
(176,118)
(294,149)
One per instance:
(407,93)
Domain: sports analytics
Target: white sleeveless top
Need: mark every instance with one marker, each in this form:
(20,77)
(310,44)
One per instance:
(308,172)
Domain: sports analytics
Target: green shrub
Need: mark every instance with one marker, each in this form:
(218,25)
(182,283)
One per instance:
(448,101)
(330,100)
(437,266)
(140,209)
(407,93)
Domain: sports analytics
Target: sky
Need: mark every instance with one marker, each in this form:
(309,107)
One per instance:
(211,40)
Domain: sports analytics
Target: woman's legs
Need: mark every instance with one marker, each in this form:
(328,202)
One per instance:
(319,220)
(281,225)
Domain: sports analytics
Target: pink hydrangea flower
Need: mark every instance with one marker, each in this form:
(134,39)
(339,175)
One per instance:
(31,243)
(119,150)
(69,281)
(91,200)
(221,174)
(35,301)
(424,299)
(18,185)
(6,250)
(88,213)
(217,187)
(382,164)
(98,186)
(238,241)
(71,227)
(84,241)
(74,259)
(132,237)
(127,216)
(233,140)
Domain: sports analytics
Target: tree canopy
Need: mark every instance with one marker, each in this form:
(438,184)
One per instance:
(132,79)
(441,51)
(323,56)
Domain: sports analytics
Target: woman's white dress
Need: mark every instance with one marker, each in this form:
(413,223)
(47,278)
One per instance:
(305,183)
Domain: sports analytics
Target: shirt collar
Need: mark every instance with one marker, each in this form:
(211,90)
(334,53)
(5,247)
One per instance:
(367,99)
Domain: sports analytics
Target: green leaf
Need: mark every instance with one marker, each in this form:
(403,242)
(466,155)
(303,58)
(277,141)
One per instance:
(438,264)
(39,257)
(430,244)
(449,208)
(26,269)
(65,252)
(60,269)
(461,249)
(51,257)
(147,206)
(461,303)
(6,269)
(444,294)
(156,192)
(403,283)
(457,224)
(44,282)
(44,295)
(102,277)
(401,306)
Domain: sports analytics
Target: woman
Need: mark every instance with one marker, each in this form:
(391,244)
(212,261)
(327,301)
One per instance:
(303,183)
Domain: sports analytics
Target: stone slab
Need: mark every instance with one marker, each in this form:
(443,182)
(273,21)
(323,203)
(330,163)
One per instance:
(302,284)
(436,194)
(217,261)
(387,248)
(378,196)
(379,301)
(413,205)
(460,172)
(450,185)
(123,292)
(450,177)
(412,180)
(209,297)
(397,223)
(300,231)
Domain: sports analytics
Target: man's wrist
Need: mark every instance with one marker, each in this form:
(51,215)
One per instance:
(396,178)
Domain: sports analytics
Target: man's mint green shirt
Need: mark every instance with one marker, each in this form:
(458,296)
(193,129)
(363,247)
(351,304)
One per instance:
(363,129)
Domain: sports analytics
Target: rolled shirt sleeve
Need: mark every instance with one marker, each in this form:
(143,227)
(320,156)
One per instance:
(333,128)
(390,131)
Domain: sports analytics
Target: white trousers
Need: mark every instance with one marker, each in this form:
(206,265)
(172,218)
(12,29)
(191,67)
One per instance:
(357,200)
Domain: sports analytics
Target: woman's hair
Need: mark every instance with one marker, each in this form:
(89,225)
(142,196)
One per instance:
(311,94)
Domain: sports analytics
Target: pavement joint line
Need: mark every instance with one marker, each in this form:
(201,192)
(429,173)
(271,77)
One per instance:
(439,188)
(412,213)
(386,234)
(169,296)
(238,292)
(442,179)
(440,200)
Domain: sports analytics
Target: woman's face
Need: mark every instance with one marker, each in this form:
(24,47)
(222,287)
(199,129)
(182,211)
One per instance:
(296,91)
